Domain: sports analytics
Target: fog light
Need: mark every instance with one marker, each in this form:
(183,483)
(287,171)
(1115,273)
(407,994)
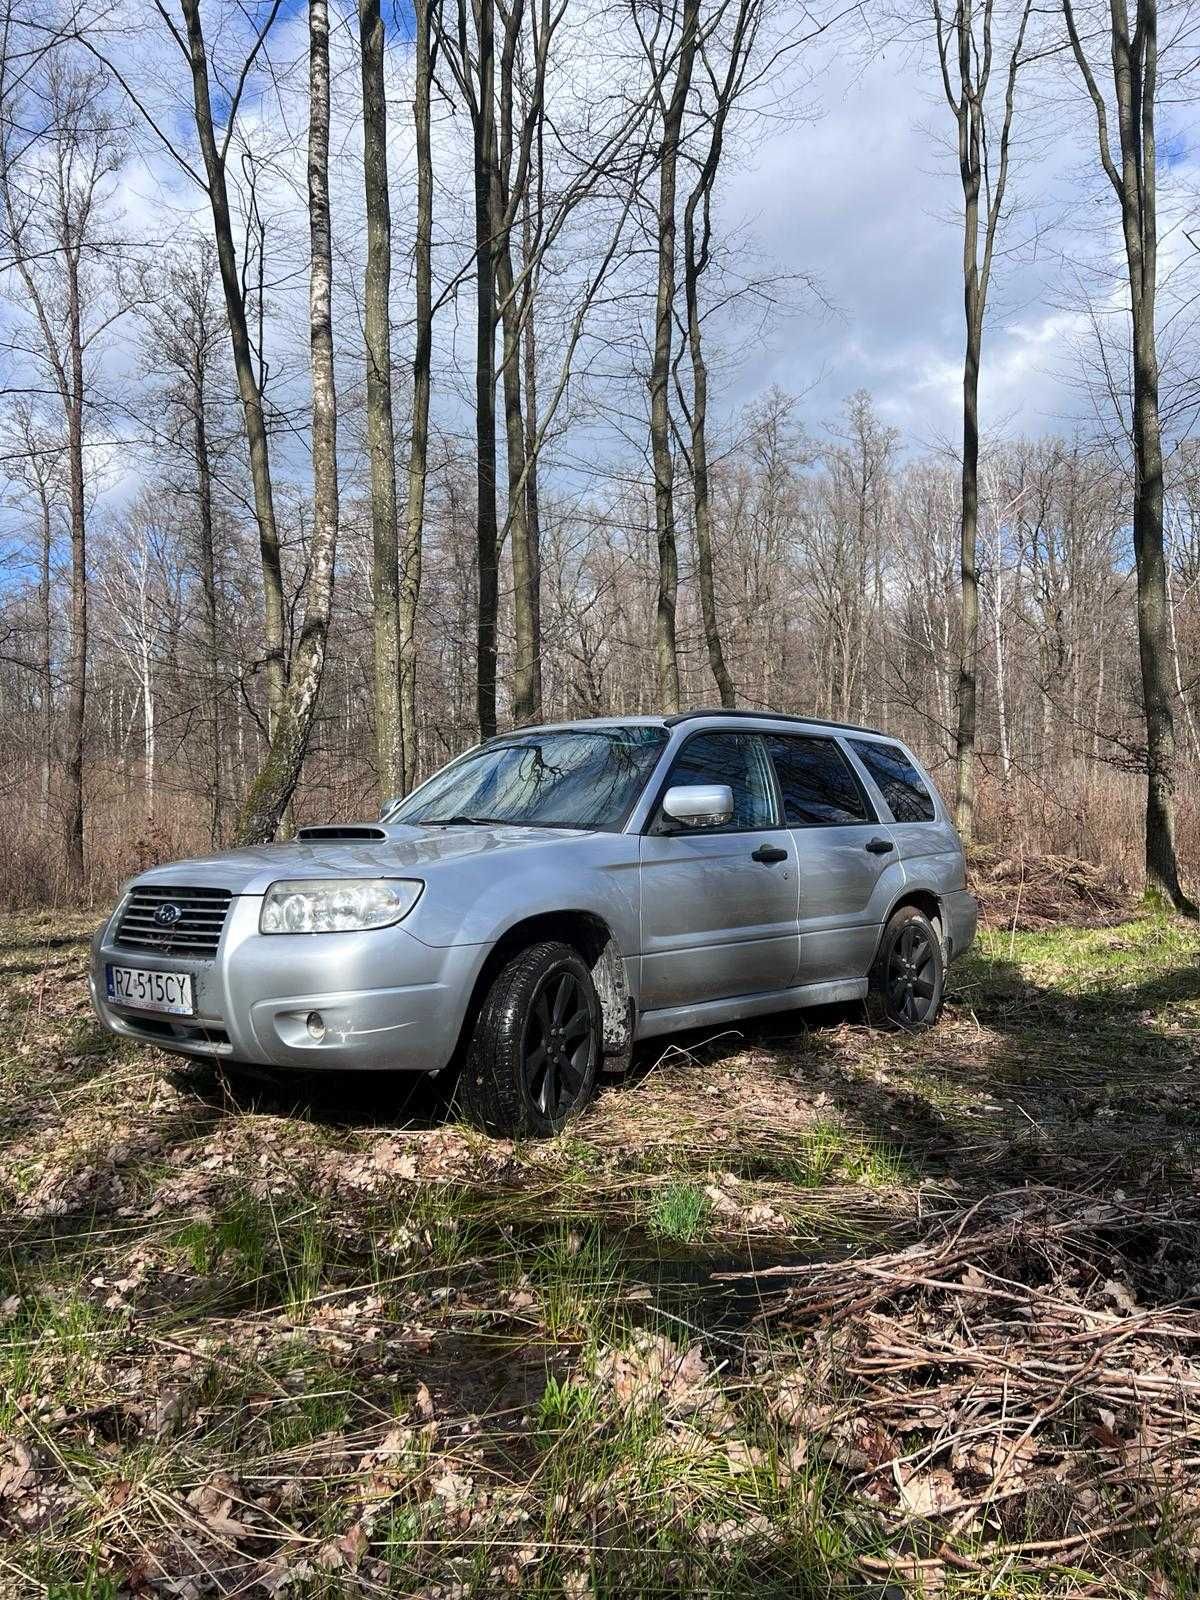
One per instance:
(315,1023)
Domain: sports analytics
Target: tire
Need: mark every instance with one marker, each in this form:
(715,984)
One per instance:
(908,979)
(535,1045)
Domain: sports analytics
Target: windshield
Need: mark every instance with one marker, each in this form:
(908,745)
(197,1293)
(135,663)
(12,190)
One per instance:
(572,778)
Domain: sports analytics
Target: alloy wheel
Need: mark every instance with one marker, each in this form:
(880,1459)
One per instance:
(911,977)
(558,1044)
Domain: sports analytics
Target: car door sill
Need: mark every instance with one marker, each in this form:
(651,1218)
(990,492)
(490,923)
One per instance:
(673,1019)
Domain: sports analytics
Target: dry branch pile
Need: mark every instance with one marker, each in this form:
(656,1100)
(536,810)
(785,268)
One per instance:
(1024,1386)
(1040,891)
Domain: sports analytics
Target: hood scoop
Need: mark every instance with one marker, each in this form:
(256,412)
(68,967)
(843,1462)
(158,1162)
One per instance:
(359,830)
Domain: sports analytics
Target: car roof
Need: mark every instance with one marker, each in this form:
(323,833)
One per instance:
(700,714)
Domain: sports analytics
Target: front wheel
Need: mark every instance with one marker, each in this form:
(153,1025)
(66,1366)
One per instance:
(908,979)
(535,1046)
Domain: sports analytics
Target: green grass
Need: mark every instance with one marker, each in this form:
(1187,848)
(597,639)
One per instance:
(679,1212)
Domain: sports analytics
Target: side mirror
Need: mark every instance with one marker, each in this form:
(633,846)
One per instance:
(389,806)
(699,805)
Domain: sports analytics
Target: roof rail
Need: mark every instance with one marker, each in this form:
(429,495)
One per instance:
(769,716)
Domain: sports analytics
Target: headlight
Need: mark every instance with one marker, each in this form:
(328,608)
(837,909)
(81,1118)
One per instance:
(337,905)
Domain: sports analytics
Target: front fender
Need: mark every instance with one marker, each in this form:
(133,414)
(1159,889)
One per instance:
(477,900)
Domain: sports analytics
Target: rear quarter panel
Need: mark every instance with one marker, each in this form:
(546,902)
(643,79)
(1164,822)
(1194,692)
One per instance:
(930,853)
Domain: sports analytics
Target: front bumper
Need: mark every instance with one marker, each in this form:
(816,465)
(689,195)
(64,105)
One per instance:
(388,1001)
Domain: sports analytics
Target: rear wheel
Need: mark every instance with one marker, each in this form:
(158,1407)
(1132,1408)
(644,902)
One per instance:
(908,978)
(535,1046)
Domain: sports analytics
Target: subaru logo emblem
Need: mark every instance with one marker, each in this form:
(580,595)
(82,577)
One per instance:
(167,915)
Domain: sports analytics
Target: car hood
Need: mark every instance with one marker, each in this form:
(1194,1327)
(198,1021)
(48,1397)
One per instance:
(402,851)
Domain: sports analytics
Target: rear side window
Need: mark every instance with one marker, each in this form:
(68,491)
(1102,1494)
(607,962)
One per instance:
(732,758)
(898,780)
(817,783)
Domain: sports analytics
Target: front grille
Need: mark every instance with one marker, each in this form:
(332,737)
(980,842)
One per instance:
(196,931)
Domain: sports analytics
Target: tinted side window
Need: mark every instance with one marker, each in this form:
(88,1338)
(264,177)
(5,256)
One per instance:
(817,783)
(898,780)
(733,758)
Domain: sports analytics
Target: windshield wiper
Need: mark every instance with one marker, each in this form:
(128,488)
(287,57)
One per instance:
(459,820)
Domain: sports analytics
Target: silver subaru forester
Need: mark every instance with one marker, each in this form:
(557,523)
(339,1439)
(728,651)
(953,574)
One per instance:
(549,898)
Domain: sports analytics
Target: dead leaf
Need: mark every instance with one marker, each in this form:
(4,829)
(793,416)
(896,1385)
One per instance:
(423,1403)
(927,1493)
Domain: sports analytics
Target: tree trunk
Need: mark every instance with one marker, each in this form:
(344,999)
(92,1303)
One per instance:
(968,100)
(485,378)
(527,686)
(275,785)
(1001,674)
(969,111)
(693,266)
(46,652)
(1154,642)
(243,361)
(533,519)
(516,314)
(666,650)
(385,577)
(418,456)
(208,585)
(149,731)
(77,656)
(1135,84)
(964,803)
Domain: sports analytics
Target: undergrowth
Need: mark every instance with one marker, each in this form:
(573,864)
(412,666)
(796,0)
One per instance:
(348,1349)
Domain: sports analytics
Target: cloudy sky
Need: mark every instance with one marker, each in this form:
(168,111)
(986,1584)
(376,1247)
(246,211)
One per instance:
(866,197)
(848,184)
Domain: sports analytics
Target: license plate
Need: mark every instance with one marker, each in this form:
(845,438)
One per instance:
(151,991)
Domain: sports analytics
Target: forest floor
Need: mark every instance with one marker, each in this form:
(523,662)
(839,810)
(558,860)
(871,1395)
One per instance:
(800,1310)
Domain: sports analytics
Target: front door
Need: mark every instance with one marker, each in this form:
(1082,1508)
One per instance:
(719,903)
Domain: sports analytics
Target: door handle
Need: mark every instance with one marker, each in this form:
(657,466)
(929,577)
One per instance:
(768,853)
(880,847)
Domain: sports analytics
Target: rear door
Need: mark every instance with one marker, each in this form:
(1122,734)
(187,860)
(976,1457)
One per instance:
(718,903)
(846,857)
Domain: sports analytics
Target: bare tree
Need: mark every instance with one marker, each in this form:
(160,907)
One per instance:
(966,45)
(139,588)
(35,461)
(184,331)
(426,11)
(513,179)
(385,575)
(273,788)
(672,112)
(470,50)
(215,154)
(725,88)
(1131,169)
(507,135)
(52,186)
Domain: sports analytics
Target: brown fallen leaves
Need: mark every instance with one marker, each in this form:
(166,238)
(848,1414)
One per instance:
(652,1371)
